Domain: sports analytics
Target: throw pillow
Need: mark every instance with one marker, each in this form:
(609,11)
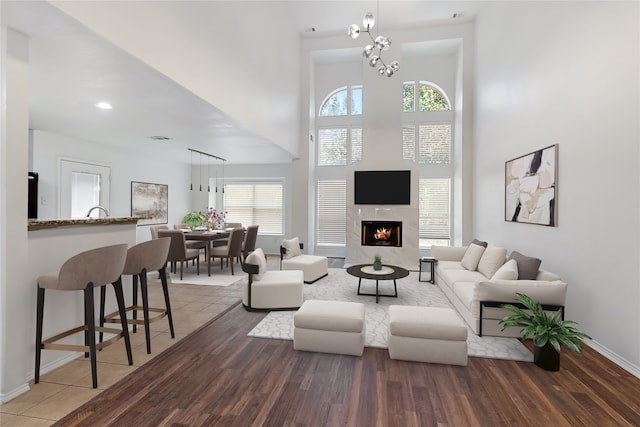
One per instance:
(292,247)
(527,266)
(492,259)
(508,271)
(257,258)
(473,254)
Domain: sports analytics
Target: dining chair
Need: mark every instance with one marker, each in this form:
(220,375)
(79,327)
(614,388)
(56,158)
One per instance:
(232,250)
(155,228)
(199,245)
(178,251)
(249,242)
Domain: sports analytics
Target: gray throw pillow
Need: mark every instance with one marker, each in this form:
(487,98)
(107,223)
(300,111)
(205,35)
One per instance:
(527,266)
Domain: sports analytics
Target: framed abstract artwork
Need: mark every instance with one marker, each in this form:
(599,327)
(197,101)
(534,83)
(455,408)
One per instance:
(531,191)
(150,201)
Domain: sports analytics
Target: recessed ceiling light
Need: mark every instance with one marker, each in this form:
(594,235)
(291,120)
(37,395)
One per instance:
(104,105)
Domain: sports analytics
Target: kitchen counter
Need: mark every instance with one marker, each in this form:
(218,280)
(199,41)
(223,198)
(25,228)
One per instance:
(54,223)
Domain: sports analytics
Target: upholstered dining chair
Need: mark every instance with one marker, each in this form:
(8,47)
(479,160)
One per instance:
(249,242)
(141,259)
(84,272)
(194,244)
(232,250)
(178,251)
(155,228)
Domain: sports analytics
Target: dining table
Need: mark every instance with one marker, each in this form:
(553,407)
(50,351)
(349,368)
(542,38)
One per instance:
(209,237)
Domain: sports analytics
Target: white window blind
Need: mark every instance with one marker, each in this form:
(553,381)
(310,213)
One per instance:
(332,212)
(435,143)
(356,144)
(332,146)
(409,142)
(255,204)
(435,211)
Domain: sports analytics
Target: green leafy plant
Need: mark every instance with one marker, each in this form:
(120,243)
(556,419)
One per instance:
(194,219)
(377,258)
(543,327)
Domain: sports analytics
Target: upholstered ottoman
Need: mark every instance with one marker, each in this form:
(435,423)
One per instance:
(427,334)
(329,327)
(313,267)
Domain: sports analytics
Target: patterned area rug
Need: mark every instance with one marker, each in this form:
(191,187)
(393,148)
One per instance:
(204,280)
(340,286)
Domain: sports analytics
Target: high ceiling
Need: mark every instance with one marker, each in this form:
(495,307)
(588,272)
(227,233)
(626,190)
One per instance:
(71,69)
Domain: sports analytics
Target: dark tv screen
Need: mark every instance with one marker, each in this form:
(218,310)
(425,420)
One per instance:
(388,187)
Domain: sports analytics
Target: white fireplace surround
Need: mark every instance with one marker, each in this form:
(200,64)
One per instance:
(405,256)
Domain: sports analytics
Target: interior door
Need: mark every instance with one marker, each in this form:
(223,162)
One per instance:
(83,185)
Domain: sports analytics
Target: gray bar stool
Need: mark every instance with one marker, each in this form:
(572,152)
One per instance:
(142,258)
(83,272)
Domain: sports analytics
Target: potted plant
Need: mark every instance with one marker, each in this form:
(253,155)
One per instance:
(194,219)
(377,262)
(549,331)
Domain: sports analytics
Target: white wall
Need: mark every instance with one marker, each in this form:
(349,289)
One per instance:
(126,166)
(567,73)
(235,55)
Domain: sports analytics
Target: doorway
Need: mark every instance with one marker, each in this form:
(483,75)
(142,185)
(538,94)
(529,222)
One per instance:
(83,185)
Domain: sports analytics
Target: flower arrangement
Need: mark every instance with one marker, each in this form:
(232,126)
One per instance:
(213,218)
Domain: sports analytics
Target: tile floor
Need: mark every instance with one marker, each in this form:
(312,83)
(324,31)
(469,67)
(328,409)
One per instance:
(66,388)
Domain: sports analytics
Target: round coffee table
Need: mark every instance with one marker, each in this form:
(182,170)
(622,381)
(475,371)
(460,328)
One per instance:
(388,272)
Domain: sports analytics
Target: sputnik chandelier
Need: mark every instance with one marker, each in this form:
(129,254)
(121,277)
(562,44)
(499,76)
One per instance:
(373,52)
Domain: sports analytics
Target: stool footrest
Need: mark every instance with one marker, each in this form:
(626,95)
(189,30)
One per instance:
(50,344)
(115,316)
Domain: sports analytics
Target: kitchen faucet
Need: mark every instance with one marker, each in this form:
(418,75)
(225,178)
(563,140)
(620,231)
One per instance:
(106,212)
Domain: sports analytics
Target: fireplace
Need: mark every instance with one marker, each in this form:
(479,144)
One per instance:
(382,233)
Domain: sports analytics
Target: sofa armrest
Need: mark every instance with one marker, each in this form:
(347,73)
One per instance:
(541,291)
(448,253)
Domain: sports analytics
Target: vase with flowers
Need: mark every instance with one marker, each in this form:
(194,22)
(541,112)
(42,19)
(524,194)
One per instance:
(213,218)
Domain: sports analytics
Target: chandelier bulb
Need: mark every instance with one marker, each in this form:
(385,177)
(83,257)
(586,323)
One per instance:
(353,31)
(373,61)
(368,21)
(368,50)
(382,70)
(395,65)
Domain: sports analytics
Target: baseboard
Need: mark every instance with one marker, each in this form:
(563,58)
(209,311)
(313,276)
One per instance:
(5,397)
(615,358)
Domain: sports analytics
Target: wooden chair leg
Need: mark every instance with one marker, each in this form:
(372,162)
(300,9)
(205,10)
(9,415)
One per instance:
(167,303)
(145,308)
(39,320)
(135,302)
(117,286)
(90,323)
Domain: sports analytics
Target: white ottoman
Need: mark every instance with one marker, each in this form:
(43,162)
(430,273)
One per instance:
(427,334)
(329,327)
(313,267)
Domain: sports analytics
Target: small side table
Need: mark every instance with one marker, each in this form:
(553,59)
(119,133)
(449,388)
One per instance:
(432,262)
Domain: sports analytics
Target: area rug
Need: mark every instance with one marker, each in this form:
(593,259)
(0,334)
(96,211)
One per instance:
(340,286)
(205,280)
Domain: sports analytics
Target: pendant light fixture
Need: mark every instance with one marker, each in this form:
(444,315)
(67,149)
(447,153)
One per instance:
(200,171)
(208,175)
(209,156)
(373,52)
(191,172)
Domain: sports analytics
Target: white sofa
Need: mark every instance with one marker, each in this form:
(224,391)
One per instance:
(270,290)
(493,281)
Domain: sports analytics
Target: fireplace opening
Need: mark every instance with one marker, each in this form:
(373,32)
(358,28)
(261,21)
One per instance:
(382,233)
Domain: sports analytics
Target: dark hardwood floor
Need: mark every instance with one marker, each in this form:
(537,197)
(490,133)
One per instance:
(220,377)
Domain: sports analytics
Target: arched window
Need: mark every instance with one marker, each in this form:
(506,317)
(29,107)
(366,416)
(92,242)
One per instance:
(430,97)
(336,103)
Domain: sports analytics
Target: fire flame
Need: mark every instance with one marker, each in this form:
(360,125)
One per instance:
(382,233)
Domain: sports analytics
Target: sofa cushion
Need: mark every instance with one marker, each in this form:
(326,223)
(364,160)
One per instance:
(257,258)
(492,259)
(449,265)
(473,254)
(292,247)
(508,271)
(465,292)
(462,275)
(527,266)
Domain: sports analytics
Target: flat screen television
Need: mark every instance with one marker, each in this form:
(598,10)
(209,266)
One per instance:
(382,187)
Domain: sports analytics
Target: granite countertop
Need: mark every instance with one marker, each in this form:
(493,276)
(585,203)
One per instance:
(53,223)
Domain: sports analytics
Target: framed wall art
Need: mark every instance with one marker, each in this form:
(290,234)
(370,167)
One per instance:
(150,201)
(531,191)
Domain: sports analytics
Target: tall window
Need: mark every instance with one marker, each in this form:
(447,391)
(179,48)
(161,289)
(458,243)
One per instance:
(331,212)
(340,138)
(435,211)
(427,140)
(255,203)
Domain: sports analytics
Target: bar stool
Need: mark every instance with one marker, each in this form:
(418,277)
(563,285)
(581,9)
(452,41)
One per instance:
(83,272)
(142,258)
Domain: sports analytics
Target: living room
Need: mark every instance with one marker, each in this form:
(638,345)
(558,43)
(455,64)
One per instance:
(538,74)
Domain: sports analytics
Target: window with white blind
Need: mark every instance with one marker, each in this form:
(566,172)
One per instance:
(256,203)
(331,212)
(433,143)
(435,211)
